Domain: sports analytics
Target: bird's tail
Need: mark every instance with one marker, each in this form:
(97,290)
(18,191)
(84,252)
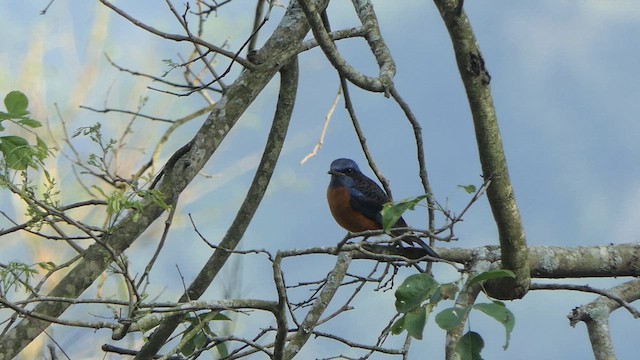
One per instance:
(413,240)
(427,248)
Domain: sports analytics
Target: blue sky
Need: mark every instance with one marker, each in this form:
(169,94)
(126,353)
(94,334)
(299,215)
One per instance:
(565,89)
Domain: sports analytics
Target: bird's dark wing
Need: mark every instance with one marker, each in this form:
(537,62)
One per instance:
(367,198)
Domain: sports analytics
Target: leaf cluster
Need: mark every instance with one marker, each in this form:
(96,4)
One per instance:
(420,293)
(17,152)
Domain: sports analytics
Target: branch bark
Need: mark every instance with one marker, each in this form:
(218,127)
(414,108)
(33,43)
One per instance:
(372,34)
(596,316)
(334,280)
(500,194)
(284,109)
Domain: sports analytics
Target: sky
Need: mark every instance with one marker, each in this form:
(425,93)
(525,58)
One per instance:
(565,92)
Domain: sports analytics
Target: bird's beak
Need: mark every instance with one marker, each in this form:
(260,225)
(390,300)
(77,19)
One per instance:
(333,172)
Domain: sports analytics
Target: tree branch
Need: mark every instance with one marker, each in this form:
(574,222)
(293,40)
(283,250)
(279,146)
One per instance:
(596,316)
(387,67)
(500,194)
(175,37)
(286,100)
(305,330)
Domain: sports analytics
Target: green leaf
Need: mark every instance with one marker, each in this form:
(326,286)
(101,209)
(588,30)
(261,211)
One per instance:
(392,212)
(469,189)
(196,342)
(413,291)
(5,116)
(199,339)
(222,350)
(41,149)
(100,191)
(221,316)
(415,320)
(16,151)
(492,274)
(48,265)
(16,103)
(469,346)
(499,311)
(398,327)
(449,318)
(15,275)
(156,197)
(30,123)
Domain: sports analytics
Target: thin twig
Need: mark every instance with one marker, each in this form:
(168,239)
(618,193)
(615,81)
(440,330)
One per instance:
(234,57)
(327,120)
(589,289)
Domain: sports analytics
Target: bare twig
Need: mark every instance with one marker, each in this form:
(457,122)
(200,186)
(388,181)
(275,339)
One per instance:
(128,112)
(361,138)
(586,288)
(327,119)
(233,56)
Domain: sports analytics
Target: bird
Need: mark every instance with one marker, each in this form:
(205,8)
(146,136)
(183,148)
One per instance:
(355,202)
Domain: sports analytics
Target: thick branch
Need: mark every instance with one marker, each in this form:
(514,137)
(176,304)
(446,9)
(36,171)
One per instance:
(334,280)
(596,316)
(494,165)
(381,52)
(466,298)
(546,262)
(286,100)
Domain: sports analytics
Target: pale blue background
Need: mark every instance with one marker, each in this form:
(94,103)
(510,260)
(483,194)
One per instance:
(564,81)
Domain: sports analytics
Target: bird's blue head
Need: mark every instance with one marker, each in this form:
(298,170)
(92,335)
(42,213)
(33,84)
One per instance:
(342,172)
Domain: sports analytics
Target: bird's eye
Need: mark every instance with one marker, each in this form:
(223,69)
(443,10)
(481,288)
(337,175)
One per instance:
(349,171)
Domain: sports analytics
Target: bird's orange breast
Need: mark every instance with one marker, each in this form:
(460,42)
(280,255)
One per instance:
(345,215)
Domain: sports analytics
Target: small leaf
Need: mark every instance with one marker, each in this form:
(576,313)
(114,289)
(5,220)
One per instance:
(48,265)
(5,116)
(48,176)
(221,347)
(30,123)
(392,212)
(16,152)
(415,320)
(469,189)
(156,197)
(398,327)
(16,103)
(100,191)
(492,274)
(42,150)
(413,291)
(449,318)
(220,316)
(499,311)
(469,346)
(222,350)
(196,342)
